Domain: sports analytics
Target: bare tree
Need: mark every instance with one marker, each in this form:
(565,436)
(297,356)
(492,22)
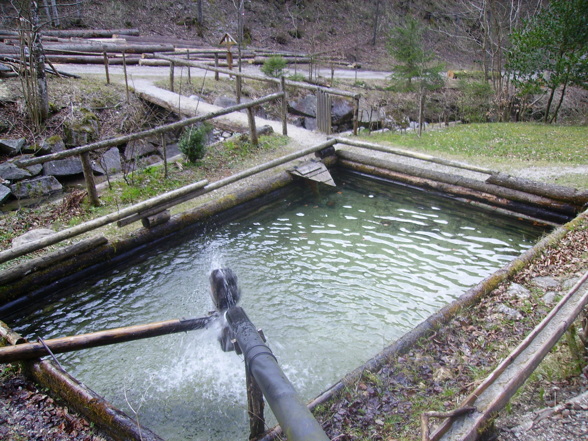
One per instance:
(32,74)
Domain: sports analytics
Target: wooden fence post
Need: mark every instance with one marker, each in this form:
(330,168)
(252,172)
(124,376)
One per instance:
(106,67)
(355,115)
(189,74)
(284,107)
(89,178)
(255,405)
(216,66)
(126,76)
(171,76)
(238,86)
(252,128)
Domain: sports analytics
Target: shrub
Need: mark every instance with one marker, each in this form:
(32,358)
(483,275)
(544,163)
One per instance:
(475,100)
(297,77)
(193,141)
(274,66)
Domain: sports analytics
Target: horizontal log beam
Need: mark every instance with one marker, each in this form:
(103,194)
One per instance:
(496,190)
(558,192)
(415,155)
(14,252)
(30,351)
(40,263)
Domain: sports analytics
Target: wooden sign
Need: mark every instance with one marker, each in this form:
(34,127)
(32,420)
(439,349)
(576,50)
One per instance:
(227,40)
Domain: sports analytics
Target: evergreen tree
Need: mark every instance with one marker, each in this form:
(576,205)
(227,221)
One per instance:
(417,71)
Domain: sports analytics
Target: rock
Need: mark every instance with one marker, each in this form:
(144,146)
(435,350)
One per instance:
(171,150)
(310,123)
(35,169)
(37,187)
(10,172)
(138,148)
(53,144)
(305,107)
(228,101)
(509,312)
(82,130)
(32,236)
(341,111)
(12,147)
(265,130)
(549,297)
(147,161)
(63,167)
(4,192)
(569,283)
(518,291)
(108,163)
(546,283)
(225,101)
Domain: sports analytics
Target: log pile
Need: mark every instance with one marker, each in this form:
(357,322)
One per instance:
(87,46)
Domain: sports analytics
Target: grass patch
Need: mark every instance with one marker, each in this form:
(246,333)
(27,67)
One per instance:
(522,142)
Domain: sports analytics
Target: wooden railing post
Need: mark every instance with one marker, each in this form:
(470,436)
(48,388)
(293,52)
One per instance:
(284,107)
(89,178)
(355,115)
(238,86)
(255,405)
(171,76)
(216,66)
(252,128)
(106,67)
(126,76)
(189,74)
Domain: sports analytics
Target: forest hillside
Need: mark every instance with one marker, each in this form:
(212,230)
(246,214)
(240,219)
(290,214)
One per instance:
(463,33)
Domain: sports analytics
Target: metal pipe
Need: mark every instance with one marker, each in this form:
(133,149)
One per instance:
(297,422)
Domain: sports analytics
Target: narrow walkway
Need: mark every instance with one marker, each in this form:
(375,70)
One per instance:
(191,107)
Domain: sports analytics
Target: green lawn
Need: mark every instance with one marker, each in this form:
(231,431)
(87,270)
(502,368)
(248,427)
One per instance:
(504,146)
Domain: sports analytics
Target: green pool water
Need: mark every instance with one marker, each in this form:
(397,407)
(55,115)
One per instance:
(331,279)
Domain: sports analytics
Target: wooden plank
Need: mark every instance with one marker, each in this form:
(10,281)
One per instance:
(314,171)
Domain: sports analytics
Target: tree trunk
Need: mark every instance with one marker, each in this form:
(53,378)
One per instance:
(38,62)
(563,92)
(549,102)
(376,19)
(422,95)
(55,13)
(47,10)
(200,15)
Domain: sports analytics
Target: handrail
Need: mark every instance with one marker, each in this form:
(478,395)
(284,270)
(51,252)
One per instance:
(145,133)
(182,62)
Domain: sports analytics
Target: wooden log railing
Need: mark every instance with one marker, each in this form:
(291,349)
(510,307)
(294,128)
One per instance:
(490,396)
(145,133)
(182,62)
(157,204)
(31,351)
